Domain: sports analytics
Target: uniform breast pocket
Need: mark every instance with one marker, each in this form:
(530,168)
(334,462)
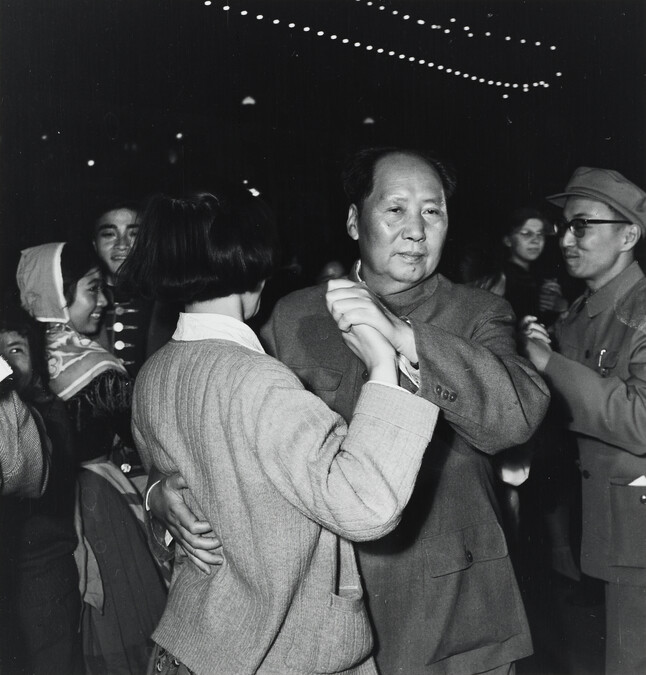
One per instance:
(606,362)
(628,523)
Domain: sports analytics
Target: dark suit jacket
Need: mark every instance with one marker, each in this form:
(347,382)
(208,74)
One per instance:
(441,589)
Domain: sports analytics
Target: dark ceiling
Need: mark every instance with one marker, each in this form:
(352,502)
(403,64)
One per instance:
(115,81)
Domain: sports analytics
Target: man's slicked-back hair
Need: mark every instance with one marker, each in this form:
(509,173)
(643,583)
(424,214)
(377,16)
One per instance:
(114,205)
(359,171)
(201,247)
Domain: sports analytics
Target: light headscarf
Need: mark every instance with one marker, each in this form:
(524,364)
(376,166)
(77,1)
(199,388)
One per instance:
(73,359)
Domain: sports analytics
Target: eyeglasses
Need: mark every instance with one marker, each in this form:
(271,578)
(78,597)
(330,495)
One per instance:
(528,235)
(579,226)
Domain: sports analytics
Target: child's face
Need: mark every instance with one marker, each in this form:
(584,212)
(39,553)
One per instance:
(15,349)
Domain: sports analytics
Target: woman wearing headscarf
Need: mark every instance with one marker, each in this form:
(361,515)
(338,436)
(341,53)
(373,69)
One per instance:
(123,592)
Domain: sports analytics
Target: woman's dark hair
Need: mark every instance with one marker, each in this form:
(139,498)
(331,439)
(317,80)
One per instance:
(519,217)
(76,261)
(13,318)
(201,247)
(359,172)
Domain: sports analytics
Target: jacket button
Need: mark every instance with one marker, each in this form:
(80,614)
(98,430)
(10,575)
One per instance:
(469,556)
(642,499)
(585,473)
(445,394)
(438,390)
(453,396)
(364,375)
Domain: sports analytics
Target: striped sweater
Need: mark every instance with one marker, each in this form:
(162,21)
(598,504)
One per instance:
(285,483)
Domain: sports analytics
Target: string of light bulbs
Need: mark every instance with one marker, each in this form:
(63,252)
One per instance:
(470,34)
(525,87)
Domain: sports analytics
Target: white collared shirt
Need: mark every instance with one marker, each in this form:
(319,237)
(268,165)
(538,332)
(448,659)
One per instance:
(203,326)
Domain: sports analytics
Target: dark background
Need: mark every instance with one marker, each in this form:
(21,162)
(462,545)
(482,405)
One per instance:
(114,81)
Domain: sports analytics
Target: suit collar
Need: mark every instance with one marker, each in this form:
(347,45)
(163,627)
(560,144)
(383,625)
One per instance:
(403,303)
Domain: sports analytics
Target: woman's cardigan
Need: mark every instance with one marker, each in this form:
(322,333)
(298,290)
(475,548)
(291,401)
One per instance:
(283,481)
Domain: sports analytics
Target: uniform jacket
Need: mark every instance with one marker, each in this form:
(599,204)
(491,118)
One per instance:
(599,379)
(281,478)
(441,590)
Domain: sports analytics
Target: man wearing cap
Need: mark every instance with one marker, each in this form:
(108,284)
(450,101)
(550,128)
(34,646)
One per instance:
(595,366)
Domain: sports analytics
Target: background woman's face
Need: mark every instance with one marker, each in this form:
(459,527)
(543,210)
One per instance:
(528,241)
(89,302)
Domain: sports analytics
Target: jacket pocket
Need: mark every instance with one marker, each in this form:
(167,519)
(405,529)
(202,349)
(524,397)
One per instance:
(333,637)
(627,524)
(473,600)
(324,382)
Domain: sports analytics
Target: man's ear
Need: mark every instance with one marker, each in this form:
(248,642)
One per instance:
(94,243)
(632,235)
(352,223)
(506,241)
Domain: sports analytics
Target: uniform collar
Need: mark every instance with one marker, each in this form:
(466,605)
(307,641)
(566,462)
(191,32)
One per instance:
(605,297)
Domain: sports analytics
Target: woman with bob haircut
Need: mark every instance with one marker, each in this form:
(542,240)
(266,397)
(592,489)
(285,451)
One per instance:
(282,479)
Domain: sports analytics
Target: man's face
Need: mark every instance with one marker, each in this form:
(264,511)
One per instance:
(114,235)
(402,225)
(15,349)
(597,256)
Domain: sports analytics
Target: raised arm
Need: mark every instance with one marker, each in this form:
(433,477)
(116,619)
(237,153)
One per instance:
(489,394)
(607,408)
(354,481)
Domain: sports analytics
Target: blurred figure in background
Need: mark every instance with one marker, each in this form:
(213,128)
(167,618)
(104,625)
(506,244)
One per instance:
(39,586)
(333,269)
(24,460)
(519,281)
(132,328)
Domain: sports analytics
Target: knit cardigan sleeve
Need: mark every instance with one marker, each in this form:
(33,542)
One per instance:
(354,481)
(24,461)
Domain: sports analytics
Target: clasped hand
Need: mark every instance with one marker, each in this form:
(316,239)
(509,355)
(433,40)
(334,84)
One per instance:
(355,308)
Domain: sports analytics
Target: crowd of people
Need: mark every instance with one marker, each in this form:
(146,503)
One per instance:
(376,482)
